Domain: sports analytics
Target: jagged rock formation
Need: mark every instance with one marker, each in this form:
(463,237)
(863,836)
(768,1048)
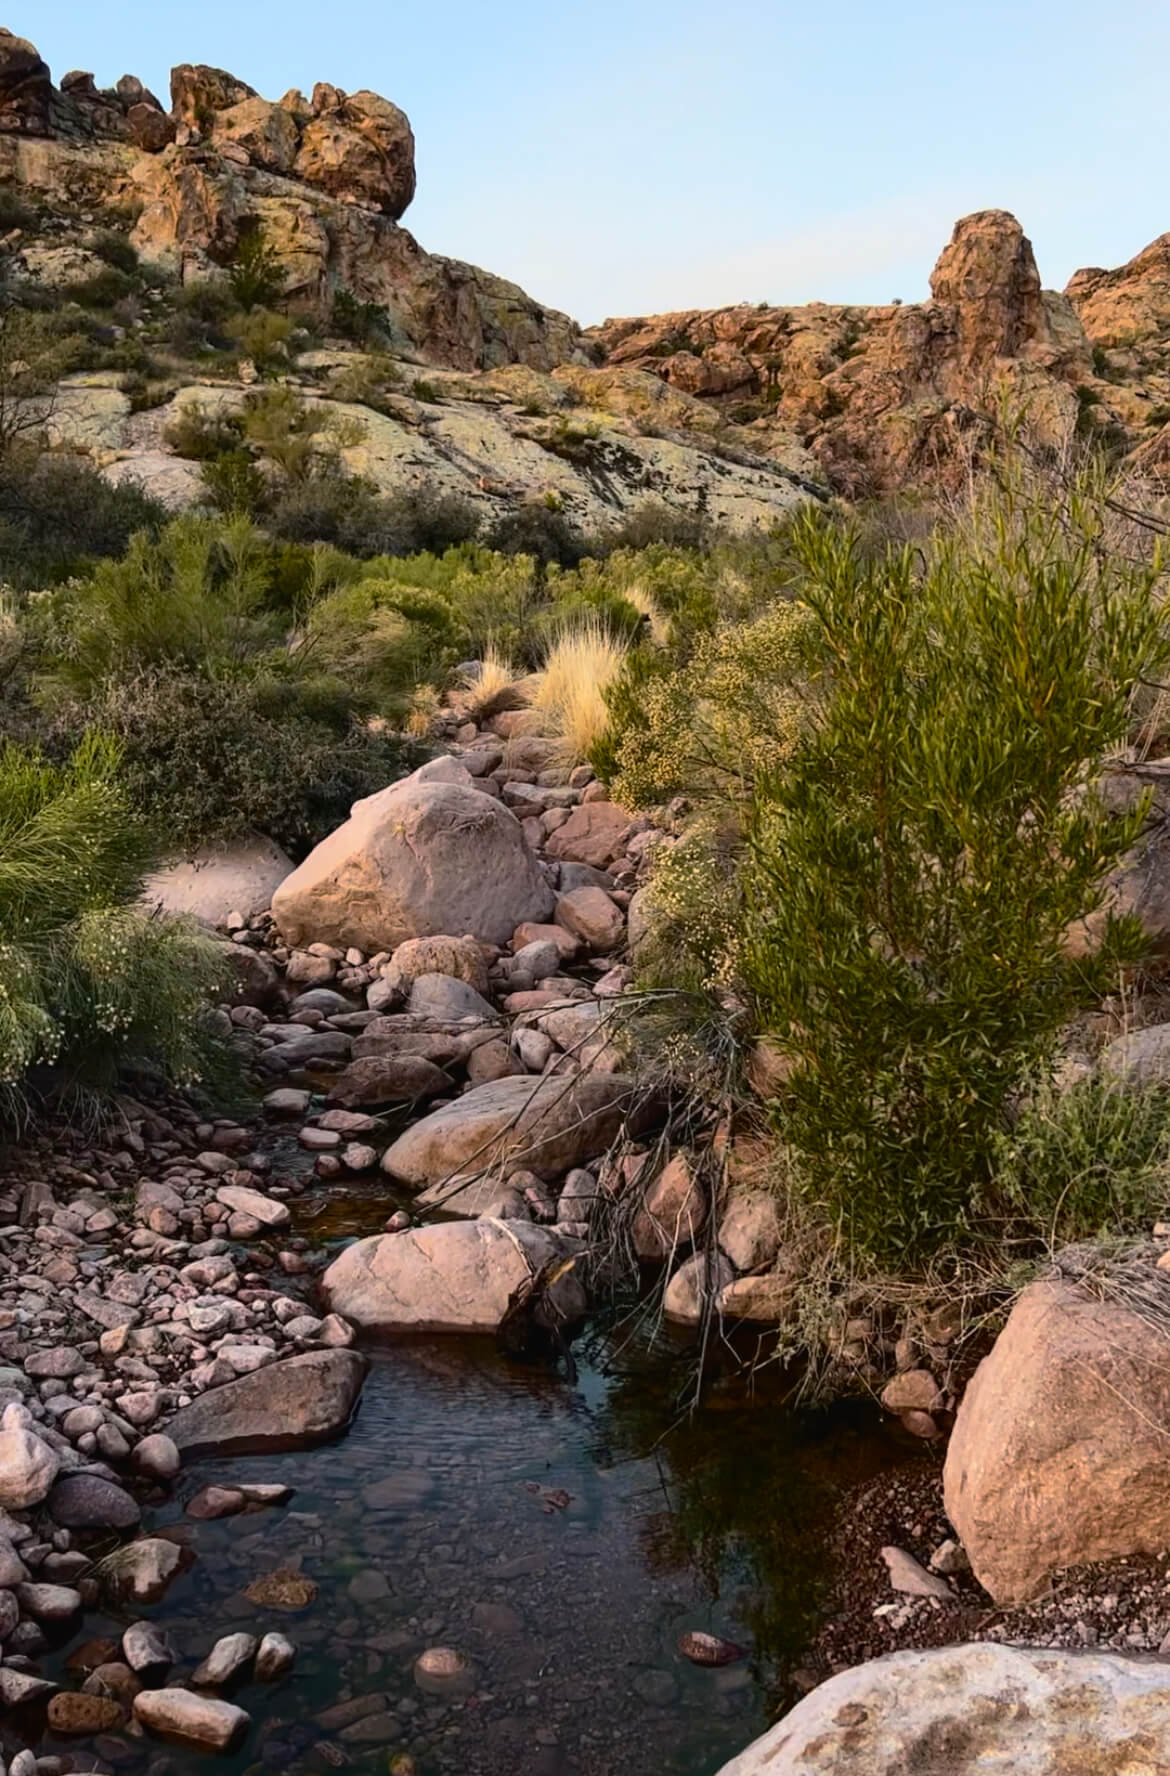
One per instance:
(327,178)
(893,396)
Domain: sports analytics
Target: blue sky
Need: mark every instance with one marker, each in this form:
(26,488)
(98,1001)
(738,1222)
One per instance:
(629,156)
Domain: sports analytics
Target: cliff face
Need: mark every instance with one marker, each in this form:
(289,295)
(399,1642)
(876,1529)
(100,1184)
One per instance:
(327,177)
(892,397)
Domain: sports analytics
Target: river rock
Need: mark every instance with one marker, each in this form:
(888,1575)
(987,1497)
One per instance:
(157,1457)
(672,1214)
(1058,1455)
(762,1300)
(749,1231)
(226,1660)
(28,1467)
(270,1214)
(444,997)
(953,1711)
(420,859)
(595,834)
(196,1720)
(911,1578)
(147,1651)
(18,1688)
(592,916)
(48,1603)
(275,1655)
(142,1571)
(390,1079)
(461,958)
(444,1671)
(85,1501)
(451,1276)
(548,1126)
(289,1405)
(73,1714)
(693,1286)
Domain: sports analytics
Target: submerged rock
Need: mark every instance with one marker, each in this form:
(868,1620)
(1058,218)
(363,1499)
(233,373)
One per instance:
(196,1720)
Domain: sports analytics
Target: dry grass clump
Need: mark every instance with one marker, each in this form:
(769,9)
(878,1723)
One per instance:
(494,686)
(584,659)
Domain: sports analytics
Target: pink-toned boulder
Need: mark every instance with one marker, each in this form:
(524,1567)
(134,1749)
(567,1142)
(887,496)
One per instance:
(595,834)
(1058,1455)
(421,859)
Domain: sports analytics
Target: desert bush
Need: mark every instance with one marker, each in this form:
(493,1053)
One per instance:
(331,506)
(89,982)
(58,515)
(366,323)
(585,657)
(538,531)
(300,437)
(654,522)
(263,336)
(914,866)
(711,728)
(234,485)
(255,274)
(1092,1159)
(216,757)
(103,290)
(116,250)
(201,434)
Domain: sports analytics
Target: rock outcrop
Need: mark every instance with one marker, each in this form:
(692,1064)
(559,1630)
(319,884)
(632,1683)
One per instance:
(327,178)
(958,1710)
(898,395)
(1058,1455)
(420,859)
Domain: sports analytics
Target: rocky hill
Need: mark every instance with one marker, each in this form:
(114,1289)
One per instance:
(888,397)
(513,408)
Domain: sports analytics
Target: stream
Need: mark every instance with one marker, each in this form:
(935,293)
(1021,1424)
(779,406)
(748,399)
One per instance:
(441,1518)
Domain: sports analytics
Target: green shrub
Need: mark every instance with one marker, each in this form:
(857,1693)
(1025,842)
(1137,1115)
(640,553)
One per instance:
(366,323)
(714,726)
(234,485)
(202,435)
(216,757)
(116,250)
(89,982)
(255,273)
(654,522)
(915,866)
(58,515)
(422,390)
(336,508)
(263,336)
(14,211)
(1092,1159)
(302,438)
(535,530)
(103,289)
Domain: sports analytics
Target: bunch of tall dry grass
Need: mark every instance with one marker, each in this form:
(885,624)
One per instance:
(581,662)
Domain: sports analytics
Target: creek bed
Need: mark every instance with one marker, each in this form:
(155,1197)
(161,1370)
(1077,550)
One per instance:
(432,1523)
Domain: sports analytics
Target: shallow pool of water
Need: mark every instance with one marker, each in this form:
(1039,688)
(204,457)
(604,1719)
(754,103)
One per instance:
(432,1523)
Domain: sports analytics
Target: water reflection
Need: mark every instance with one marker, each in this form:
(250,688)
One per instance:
(562,1538)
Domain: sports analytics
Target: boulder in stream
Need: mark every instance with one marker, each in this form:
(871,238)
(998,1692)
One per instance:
(288,1405)
(452,1276)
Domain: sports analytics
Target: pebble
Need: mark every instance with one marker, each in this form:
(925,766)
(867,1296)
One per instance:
(274,1656)
(226,1660)
(147,1651)
(198,1720)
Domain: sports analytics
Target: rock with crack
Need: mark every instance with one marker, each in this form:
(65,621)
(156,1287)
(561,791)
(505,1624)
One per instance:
(452,1276)
(289,1405)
